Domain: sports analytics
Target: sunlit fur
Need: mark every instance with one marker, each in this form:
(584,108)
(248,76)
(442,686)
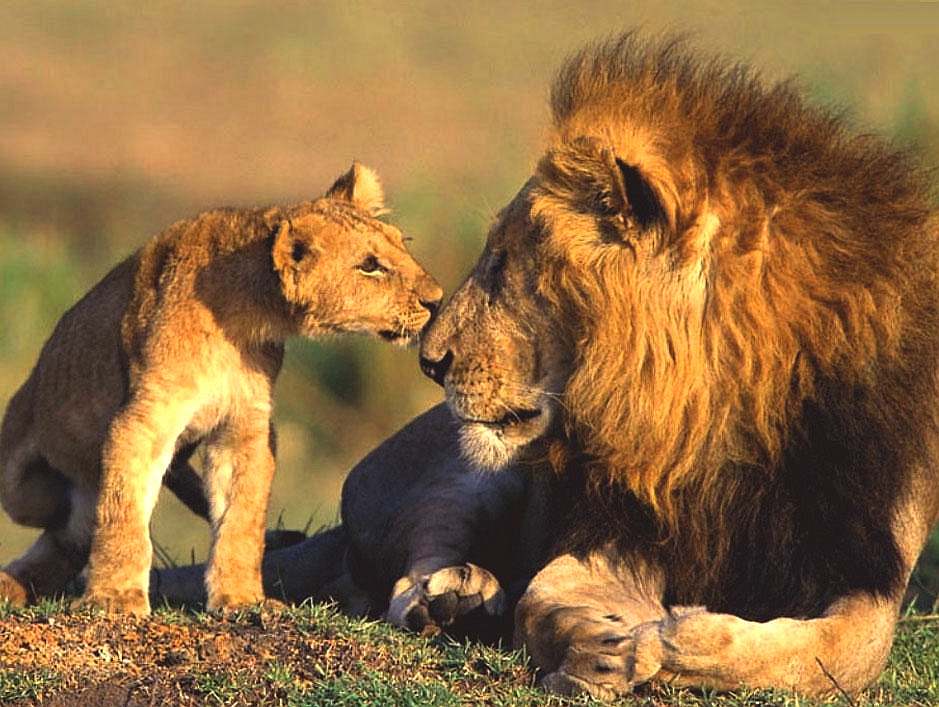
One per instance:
(747,376)
(179,346)
(793,251)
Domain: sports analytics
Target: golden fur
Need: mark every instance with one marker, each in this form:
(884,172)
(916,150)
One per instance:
(761,192)
(713,310)
(692,379)
(180,345)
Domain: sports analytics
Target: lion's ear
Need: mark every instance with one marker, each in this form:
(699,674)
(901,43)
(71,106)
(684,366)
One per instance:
(360,186)
(633,196)
(290,250)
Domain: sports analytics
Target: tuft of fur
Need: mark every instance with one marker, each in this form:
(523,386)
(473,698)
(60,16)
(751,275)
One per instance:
(777,339)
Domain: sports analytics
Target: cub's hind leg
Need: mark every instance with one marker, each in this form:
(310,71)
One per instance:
(186,484)
(31,491)
(57,556)
(37,495)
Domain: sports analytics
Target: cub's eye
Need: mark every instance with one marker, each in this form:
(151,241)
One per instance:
(371,267)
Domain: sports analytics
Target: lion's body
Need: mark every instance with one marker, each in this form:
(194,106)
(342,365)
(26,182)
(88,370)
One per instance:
(699,357)
(178,346)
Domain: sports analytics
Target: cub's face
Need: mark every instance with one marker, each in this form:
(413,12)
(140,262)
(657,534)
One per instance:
(344,270)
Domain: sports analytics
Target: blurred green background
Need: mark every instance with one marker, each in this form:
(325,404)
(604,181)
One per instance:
(118,118)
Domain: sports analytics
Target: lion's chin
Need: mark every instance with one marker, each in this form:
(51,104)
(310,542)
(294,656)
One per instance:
(492,447)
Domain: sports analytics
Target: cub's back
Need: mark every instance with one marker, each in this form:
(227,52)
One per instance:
(81,375)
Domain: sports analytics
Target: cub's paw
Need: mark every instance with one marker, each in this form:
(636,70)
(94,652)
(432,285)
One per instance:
(114,601)
(427,603)
(227,603)
(605,659)
(257,613)
(11,591)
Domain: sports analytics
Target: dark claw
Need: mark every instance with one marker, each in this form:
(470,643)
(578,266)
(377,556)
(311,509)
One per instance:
(418,618)
(468,603)
(445,608)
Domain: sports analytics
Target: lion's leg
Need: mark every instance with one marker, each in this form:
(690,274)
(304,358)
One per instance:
(416,516)
(596,627)
(845,649)
(311,568)
(239,470)
(562,620)
(577,617)
(56,557)
(140,445)
(440,529)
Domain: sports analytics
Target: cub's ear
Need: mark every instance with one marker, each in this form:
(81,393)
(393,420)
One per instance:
(290,251)
(360,186)
(633,196)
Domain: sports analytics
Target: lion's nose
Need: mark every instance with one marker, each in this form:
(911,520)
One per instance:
(437,369)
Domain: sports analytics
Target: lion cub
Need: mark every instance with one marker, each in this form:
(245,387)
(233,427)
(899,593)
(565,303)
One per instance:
(180,345)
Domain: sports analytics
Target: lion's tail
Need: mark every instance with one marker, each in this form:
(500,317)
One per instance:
(295,568)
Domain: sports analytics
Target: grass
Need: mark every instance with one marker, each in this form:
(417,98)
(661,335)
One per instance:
(118,122)
(17,686)
(312,655)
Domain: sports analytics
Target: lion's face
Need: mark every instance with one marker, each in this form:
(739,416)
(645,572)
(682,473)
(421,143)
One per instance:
(496,349)
(344,270)
(511,340)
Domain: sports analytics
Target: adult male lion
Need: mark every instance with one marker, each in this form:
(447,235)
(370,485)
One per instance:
(698,356)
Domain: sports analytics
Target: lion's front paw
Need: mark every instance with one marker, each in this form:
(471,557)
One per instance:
(114,601)
(11,591)
(429,602)
(605,659)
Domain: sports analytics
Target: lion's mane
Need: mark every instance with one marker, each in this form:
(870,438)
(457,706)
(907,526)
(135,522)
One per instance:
(767,378)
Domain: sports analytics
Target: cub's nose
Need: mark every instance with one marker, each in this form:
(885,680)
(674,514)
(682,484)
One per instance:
(431,295)
(436,369)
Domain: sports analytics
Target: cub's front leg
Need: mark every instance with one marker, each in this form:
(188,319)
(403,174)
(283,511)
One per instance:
(139,447)
(239,471)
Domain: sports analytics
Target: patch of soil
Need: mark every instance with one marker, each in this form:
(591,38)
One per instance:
(95,660)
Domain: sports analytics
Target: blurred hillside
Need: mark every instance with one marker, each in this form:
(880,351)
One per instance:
(120,118)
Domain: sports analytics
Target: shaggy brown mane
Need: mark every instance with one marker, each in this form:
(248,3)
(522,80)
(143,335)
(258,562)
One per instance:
(787,309)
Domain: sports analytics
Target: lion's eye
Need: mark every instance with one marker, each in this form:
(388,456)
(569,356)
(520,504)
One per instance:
(371,267)
(498,263)
(497,270)
(604,206)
